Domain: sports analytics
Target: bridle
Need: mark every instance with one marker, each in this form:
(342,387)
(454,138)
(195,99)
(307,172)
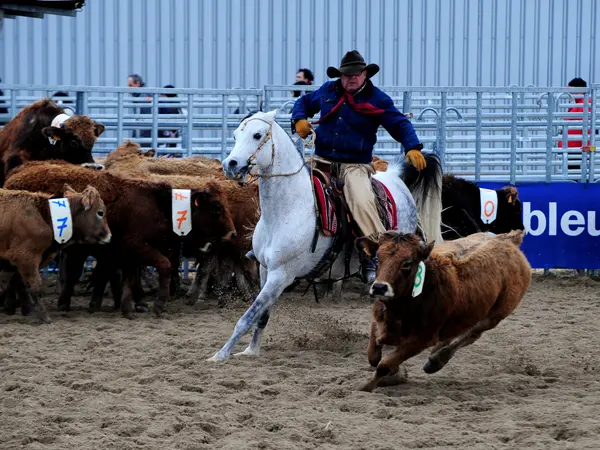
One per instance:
(269,135)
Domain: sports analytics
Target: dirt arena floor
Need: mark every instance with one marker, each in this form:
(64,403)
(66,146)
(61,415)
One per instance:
(103,382)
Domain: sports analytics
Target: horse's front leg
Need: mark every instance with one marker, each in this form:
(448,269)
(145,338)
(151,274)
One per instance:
(253,348)
(276,282)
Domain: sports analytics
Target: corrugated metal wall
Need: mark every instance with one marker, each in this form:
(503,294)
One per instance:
(237,43)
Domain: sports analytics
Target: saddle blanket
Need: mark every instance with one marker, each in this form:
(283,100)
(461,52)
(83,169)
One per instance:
(330,222)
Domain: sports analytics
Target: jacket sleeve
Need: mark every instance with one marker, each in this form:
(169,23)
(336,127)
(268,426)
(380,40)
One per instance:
(307,105)
(397,124)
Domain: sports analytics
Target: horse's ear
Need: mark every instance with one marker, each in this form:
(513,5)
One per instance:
(425,249)
(271,115)
(367,245)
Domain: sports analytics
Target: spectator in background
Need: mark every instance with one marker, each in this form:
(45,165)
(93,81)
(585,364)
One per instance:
(169,109)
(576,82)
(134,80)
(3,109)
(62,94)
(305,75)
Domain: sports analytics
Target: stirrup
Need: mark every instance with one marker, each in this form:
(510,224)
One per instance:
(251,256)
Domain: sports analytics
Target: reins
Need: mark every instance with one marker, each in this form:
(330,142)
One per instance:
(269,135)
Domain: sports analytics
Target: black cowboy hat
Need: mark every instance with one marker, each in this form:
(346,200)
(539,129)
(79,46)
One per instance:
(352,63)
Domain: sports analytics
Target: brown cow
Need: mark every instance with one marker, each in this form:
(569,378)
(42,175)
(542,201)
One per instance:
(194,244)
(127,149)
(42,131)
(463,293)
(26,234)
(139,213)
(245,211)
(243,206)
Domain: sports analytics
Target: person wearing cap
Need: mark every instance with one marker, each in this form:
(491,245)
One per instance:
(352,109)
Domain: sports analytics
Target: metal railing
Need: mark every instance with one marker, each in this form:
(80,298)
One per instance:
(482,133)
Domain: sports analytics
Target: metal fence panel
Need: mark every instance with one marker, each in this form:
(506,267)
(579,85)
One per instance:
(494,133)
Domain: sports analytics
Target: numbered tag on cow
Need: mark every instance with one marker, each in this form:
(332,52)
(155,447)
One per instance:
(419,280)
(489,205)
(182,211)
(62,224)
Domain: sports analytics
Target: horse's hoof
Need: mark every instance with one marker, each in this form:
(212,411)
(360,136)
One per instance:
(217,358)
(63,308)
(248,352)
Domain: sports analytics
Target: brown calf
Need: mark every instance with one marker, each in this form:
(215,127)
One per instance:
(139,213)
(30,135)
(131,160)
(464,293)
(26,234)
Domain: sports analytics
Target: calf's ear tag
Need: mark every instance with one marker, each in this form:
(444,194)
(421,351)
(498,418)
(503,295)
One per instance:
(419,280)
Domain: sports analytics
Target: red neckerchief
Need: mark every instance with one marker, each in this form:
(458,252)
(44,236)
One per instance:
(362,108)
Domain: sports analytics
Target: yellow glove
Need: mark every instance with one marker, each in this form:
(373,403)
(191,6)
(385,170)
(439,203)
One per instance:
(416,158)
(303,128)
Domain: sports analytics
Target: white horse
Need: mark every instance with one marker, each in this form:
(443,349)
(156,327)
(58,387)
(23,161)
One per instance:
(284,233)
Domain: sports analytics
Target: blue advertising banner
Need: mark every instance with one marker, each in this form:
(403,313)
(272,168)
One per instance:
(562,223)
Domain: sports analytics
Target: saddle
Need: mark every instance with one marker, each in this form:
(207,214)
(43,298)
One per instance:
(332,208)
(334,217)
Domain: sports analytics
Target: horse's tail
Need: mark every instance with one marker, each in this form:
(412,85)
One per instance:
(426,188)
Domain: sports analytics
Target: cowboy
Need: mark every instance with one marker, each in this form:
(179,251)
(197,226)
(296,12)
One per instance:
(352,109)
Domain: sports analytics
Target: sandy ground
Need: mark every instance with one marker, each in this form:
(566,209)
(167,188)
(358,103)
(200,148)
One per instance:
(103,382)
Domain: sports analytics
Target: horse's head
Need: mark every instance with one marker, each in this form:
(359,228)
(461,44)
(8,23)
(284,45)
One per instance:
(254,146)
(399,258)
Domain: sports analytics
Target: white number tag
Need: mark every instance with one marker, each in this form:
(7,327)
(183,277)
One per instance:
(182,211)
(62,225)
(489,205)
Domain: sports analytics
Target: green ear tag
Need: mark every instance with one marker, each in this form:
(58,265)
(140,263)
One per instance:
(419,280)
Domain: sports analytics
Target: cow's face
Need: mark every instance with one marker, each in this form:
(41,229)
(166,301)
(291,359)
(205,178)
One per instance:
(89,216)
(211,215)
(399,256)
(510,212)
(74,139)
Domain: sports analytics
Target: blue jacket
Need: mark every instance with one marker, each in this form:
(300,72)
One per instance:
(348,136)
